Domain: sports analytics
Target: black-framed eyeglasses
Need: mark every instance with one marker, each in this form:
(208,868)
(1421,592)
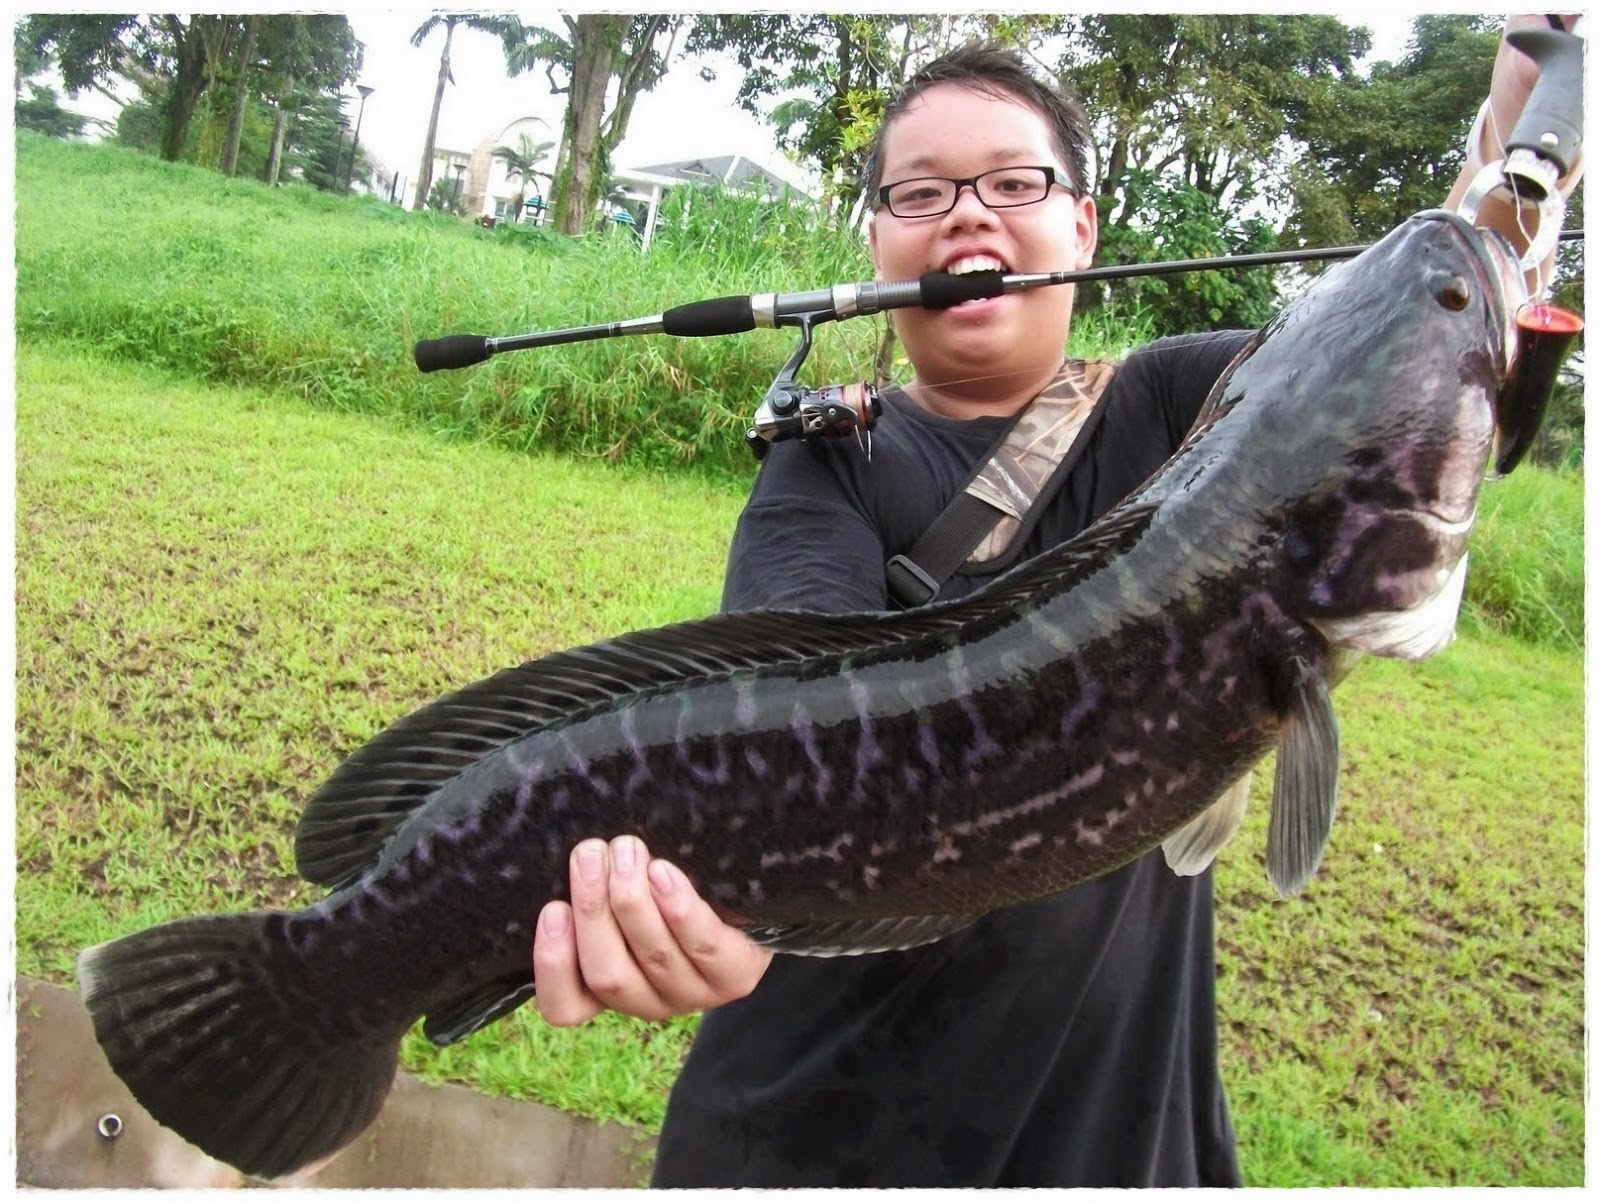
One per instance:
(1002,188)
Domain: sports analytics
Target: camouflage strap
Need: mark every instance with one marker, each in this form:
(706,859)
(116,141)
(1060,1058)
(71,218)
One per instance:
(986,523)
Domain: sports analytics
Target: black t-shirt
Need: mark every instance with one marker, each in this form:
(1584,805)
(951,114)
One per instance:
(1070,1041)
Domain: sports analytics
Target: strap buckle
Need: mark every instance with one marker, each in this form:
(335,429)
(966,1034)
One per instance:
(909,583)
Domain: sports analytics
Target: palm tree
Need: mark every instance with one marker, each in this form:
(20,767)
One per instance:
(510,32)
(522,163)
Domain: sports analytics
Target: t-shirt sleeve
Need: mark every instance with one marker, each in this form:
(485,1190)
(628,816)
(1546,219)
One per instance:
(803,542)
(1177,373)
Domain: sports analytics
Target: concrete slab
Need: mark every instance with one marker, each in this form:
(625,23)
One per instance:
(440,1136)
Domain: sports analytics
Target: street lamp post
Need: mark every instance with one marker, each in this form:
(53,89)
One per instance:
(350,168)
(338,152)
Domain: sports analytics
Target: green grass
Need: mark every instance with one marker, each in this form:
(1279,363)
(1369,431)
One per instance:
(221,592)
(323,296)
(1527,558)
(1416,1016)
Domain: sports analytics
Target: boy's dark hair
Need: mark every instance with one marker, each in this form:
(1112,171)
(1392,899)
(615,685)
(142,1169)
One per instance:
(996,70)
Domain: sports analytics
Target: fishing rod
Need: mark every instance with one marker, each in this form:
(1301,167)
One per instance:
(937,290)
(790,409)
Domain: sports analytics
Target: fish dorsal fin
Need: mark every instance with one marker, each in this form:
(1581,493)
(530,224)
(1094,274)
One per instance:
(1192,848)
(366,799)
(846,938)
(350,818)
(1305,788)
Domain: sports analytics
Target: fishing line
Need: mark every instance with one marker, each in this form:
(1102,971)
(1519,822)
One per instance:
(1513,184)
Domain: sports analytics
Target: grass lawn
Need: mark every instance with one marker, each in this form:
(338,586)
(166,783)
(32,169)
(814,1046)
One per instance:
(220,593)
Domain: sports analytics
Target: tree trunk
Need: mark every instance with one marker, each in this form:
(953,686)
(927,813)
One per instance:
(588,134)
(241,90)
(425,172)
(280,126)
(186,87)
(596,41)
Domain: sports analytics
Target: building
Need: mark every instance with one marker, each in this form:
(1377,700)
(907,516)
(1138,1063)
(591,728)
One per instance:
(487,192)
(649,185)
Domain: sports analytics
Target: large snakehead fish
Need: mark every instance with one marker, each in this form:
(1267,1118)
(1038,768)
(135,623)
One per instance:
(849,783)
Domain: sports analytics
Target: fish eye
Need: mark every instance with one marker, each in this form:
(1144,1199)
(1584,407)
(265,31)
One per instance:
(1453,293)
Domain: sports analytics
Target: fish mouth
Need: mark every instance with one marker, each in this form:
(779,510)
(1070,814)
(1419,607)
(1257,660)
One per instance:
(1534,338)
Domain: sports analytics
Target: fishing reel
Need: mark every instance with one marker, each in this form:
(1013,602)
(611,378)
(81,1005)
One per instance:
(792,411)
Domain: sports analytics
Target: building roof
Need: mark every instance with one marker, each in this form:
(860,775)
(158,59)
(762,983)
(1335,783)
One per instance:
(735,171)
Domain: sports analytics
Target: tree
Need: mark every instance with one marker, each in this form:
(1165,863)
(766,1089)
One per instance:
(835,72)
(241,88)
(522,164)
(445,197)
(1182,221)
(319,140)
(176,62)
(27,60)
(598,49)
(42,113)
(90,51)
(1380,148)
(302,55)
(164,54)
(1216,100)
(507,28)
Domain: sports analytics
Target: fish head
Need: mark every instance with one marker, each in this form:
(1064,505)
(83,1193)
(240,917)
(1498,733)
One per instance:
(1414,344)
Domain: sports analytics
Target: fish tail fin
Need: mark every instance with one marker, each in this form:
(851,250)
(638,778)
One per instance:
(210,1024)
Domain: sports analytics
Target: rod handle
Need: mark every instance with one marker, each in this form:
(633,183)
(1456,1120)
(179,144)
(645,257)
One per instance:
(451,351)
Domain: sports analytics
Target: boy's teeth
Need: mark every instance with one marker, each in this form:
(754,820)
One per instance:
(980,263)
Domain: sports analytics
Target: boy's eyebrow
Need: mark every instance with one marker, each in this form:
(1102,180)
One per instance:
(999,157)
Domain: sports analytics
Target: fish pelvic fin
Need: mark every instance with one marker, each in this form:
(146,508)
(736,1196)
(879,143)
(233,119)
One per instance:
(1305,787)
(846,938)
(448,1024)
(1190,850)
(203,1021)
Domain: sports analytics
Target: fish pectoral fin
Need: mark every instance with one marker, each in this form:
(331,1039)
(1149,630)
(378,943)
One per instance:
(1191,849)
(458,1020)
(845,938)
(1305,789)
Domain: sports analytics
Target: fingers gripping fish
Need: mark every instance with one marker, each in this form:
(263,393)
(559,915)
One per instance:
(845,783)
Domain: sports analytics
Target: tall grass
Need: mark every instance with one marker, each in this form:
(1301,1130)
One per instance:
(324,296)
(1525,574)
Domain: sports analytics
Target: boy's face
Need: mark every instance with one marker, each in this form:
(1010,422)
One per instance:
(953,131)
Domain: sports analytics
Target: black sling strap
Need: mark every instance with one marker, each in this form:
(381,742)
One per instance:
(987,522)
